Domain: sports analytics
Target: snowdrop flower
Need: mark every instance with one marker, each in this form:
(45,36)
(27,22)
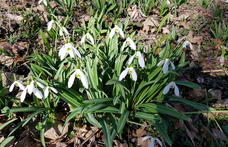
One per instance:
(80,75)
(140,59)
(130,43)
(63,29)
(166,65)
(44,1)
(187,43)
(152,141)
(128,70)
(167,2)
(50,24)
(172,85)
(47,89)
(17,83)
(116,29)
(88,36)
(68,48)
(31,89)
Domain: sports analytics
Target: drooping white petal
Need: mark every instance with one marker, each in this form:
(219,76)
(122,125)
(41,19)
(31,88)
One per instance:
(11,87)
(140,59)
(173,67)
(83,78)
(146,137)
(131,59)
(166,90)
(53,89)
(39,84)
(160,63)
(37,93)
(50,24)
(176,90)
(121,32)
(112,33)
(158,140)
(190,45)
(83,39)
(65,30)
(124,73)
(167,2)
(132,43)
(187,43)
(60,32)
(22,87)
(46,92)
(23,95)
(123,46)
(62,52)
(133,73)
(40,1)
(71,52)
(30,88)
(166,66)
(45,2)
(77,53)
(90,38)
(151,142)
(71,80)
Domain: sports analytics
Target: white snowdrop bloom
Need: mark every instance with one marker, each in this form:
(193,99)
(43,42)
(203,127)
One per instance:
(44,1)
(49,24)
(88,36)
(80,75)
(17,83)
(68,48)
(172,85)
(130,43)
(47,89)
(152,141)
(186,43)
(63,29)
(31,89)
(140,59)
(116,29)
(128,70)
(167,2)
(166,65)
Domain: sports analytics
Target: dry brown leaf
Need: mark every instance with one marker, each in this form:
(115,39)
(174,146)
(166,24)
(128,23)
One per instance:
(1,139)
(6,60)
(61,144)
(18,47)
(183,24)
(6,46)
(135,13)
(165,30)
(217,94)
(180,108)
(192,39)
(147,24)
(143,143)
(219,135)
(196,94)
(56,131)
(25,142)
(221,60)
(179,124)
(140,132)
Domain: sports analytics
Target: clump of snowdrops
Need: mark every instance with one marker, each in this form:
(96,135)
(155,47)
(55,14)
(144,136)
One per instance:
(110,79)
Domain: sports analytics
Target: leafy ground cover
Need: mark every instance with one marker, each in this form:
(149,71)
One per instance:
(89,99)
